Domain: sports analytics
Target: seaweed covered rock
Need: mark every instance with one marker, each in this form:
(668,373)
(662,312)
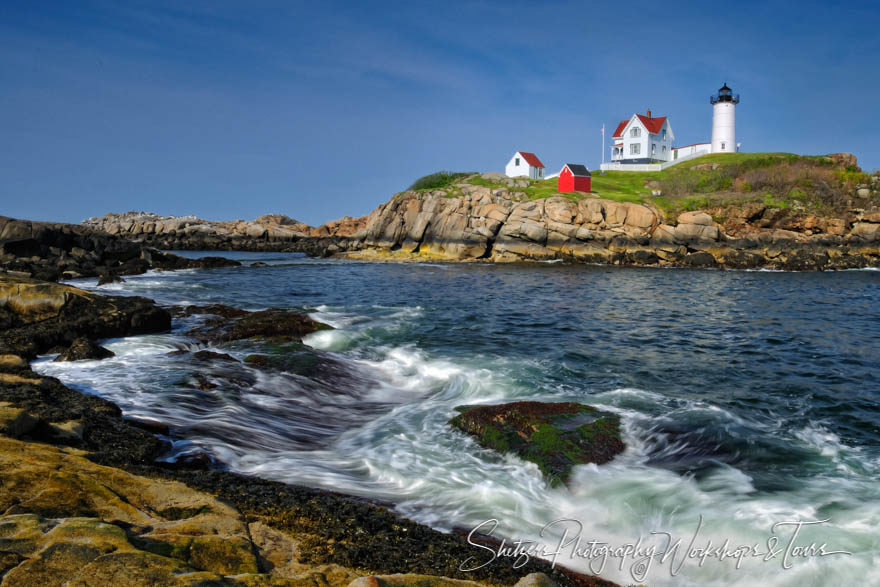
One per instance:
(555,436)
(43,409)
(275,324)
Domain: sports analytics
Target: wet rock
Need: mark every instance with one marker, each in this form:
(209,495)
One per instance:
(738,259)
(213,356)
(83,349)
(279,325)
(151,426)
(294,358)
(60,415)
(699,259)
(110,278)
(555,436)
(215,309)
(40,316)
(198,460)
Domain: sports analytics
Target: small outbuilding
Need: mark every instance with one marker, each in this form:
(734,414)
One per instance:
(524,164)
(574,178)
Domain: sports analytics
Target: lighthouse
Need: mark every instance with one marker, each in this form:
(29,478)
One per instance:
(724,120)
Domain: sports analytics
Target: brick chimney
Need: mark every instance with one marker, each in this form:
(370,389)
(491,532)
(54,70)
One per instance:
(649,113)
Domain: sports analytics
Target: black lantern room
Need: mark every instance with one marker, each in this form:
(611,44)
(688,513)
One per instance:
(725,94)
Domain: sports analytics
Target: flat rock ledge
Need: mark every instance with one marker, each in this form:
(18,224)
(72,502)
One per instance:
(555,436)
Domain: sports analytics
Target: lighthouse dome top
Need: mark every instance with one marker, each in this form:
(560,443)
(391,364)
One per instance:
(725,94)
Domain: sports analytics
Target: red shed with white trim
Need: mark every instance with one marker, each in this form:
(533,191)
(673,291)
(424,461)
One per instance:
(574,178)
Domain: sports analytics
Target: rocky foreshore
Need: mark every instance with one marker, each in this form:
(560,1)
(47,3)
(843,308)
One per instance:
(83,500)
(270,232)
(51,251)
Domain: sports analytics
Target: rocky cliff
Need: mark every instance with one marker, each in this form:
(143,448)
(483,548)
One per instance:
(502,225)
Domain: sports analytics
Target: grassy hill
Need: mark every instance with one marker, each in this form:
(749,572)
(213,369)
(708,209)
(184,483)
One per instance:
(781,180)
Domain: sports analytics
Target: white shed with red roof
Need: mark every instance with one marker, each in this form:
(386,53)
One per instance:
(524,164)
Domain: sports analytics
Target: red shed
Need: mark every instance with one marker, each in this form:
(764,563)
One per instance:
(574,178)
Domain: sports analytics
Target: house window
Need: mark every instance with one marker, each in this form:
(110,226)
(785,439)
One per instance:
(723,146)
(635,149)
(653,148)
(540,172)
(664,134)
(664,149)
(517,161)
(635,132)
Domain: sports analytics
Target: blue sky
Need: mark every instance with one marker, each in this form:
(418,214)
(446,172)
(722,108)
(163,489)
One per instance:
(323,109)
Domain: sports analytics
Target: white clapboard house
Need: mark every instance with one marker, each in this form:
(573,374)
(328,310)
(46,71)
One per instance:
(524,164)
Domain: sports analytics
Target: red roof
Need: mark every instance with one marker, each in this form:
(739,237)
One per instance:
(652,124)
(531,159)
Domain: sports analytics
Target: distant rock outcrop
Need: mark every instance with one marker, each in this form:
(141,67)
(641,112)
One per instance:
(267,232)
(51,251)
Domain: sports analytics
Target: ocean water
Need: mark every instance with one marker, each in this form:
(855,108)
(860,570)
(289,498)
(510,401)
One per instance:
(748,400)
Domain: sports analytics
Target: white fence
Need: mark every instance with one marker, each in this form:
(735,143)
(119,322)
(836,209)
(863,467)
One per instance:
(615,166)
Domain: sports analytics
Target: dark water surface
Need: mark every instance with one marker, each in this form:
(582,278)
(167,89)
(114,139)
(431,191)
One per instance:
(748,398)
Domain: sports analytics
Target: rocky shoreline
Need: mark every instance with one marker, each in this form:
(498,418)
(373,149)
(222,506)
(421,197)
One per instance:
(51,251)
(83,500)
(495,226)
(493,220)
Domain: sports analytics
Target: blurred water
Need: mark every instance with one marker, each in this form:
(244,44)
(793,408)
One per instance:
(748,398)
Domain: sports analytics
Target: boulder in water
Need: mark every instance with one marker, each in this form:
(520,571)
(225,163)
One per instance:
(275,324)
(555,436)
(83,349)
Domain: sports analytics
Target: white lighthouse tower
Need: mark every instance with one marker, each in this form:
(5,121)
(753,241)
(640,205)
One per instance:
(724,120)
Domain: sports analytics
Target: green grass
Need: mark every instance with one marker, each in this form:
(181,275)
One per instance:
(440,179)
(779,180)
(614,185)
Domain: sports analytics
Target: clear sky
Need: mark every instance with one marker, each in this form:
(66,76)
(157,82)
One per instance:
(322,109)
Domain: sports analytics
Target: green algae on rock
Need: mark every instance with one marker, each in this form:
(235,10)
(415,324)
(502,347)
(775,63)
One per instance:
(555,436)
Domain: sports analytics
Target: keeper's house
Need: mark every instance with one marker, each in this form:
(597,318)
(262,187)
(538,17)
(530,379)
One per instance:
(524,164)
(574,178)
(642,139)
